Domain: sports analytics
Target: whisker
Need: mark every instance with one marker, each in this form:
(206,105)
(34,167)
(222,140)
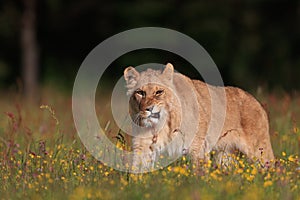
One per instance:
(137,119)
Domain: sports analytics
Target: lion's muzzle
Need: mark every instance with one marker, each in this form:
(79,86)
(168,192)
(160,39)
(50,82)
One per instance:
(150,116)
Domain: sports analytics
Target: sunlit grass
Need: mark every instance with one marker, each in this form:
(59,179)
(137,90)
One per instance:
(42,157)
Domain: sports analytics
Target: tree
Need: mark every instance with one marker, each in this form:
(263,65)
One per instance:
(29,48)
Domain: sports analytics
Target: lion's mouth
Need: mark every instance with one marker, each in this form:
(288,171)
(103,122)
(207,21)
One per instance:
(150,120)
(155,115)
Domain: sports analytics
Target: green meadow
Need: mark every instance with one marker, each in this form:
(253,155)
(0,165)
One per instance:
(42,157)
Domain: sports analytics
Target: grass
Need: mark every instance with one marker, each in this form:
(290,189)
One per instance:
(43,158)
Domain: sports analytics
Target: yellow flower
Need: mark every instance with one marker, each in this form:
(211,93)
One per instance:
(268,183)
(254,171)
(296,130)
(268,176)
(124,182)
(294,187)
(176,169)
(291,158)
(239,171)
(134,177)
(89,195)
(214,176)
(250,177)
(283,154)
(63,179)
(147,196)
(242,163)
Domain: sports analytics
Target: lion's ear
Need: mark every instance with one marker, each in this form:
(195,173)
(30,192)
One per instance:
(168,71)
(131,76)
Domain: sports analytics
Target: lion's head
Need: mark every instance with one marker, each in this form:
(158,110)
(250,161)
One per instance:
(151,95)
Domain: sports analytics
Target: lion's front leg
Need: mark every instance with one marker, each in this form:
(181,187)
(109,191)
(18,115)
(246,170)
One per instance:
(143,156)
(200,155)
(143,161)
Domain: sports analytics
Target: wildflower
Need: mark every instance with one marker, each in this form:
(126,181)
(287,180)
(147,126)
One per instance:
(254,171)
(89,195)
(63,179)
(239,171)
(268,177)
(134,177)
(268,183)
(291,158)
(214,175)
(250,177)
(106,173)
(124,182)
(32,155)
(294,187)
(147,196)
(52,112)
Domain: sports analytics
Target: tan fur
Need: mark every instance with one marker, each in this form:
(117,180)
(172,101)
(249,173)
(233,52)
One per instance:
(246,126)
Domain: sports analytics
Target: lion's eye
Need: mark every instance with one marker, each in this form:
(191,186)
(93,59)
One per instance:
(159,92)
(141,93)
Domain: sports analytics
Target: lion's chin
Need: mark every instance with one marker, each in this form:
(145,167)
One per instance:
(150,122)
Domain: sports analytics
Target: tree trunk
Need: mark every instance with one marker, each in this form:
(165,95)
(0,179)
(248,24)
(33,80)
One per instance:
(29,48)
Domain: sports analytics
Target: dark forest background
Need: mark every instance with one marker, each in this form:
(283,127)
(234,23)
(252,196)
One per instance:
(253,42)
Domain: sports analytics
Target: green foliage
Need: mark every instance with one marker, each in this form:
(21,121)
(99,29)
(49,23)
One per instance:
(252,42)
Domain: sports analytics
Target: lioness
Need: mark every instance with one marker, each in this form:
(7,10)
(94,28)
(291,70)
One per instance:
(162,106)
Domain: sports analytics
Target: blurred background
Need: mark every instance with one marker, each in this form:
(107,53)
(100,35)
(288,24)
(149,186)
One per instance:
(255,43)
